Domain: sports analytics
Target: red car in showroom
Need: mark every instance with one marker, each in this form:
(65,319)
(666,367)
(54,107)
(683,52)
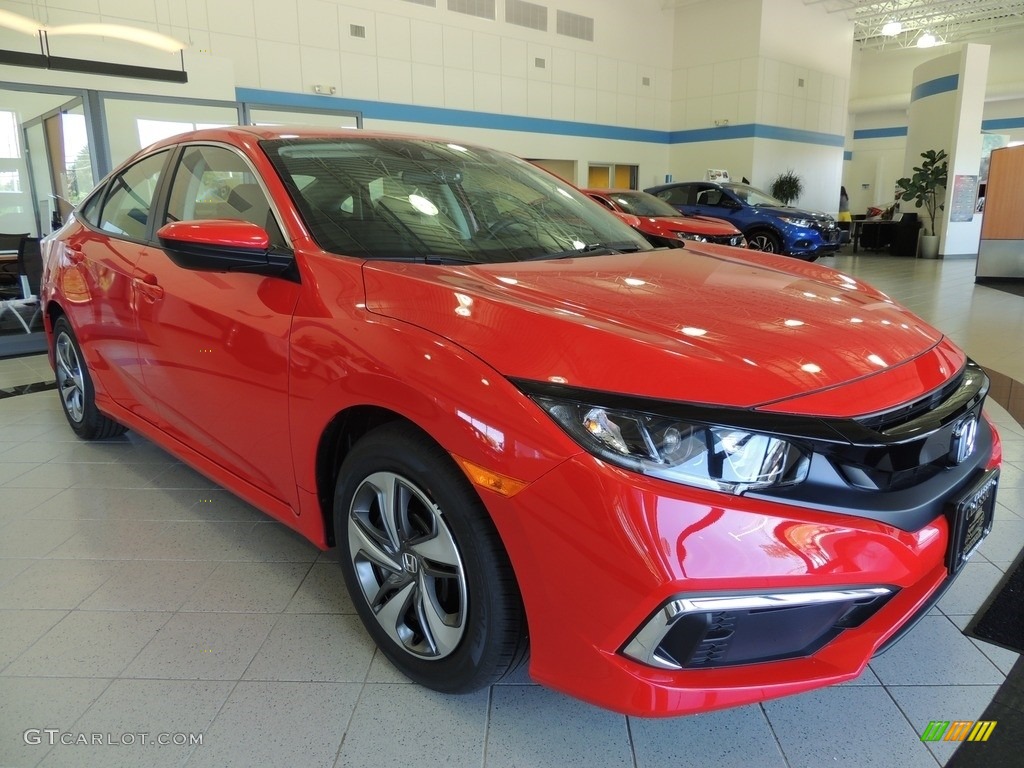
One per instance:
(661,224)
(682,480)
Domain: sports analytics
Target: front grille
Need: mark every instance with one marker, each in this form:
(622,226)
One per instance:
(899,466)
(829,232)
(725,239)
(896,417)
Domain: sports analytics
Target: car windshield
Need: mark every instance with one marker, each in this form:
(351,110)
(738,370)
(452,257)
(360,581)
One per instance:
(420,200)
(643,204)
(753,196)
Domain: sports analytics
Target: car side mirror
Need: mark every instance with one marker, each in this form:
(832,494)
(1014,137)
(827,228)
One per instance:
(222,245)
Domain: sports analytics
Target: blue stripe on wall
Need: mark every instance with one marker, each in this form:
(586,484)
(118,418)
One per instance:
(756,131)
(847,155)
(413,113)
(934,87)
(1002,123)
(880,133)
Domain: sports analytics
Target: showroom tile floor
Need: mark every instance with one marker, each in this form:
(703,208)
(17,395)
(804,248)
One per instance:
(138,598)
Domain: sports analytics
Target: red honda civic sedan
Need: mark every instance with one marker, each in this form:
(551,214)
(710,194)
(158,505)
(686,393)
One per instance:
(662,224)
(680,480)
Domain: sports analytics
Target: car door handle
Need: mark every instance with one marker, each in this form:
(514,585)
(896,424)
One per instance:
(148,286)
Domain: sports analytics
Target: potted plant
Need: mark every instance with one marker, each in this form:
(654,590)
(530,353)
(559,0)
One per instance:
(923,188)
(787,187)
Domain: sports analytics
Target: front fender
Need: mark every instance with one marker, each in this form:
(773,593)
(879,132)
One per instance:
(463,404)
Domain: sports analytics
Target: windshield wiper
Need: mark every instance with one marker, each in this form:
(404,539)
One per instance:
(592,249)
(427,258)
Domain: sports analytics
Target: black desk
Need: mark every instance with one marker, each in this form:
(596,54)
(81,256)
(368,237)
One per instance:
(897,236)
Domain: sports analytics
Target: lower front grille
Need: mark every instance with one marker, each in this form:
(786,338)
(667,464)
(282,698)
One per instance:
(726,630)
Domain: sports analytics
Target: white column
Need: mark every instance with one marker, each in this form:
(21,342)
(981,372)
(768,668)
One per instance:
(946,105)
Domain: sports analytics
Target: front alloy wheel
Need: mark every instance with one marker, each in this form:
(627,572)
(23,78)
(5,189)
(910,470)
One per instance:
(408,566)
(763,241)
(423,563)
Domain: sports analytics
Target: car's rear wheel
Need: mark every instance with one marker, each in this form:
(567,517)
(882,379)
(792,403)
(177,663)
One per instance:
(424,564)
(764,240)
(77,395)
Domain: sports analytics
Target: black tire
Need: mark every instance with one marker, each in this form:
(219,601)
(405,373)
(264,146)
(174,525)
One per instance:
(74,386)
(435,589)
(763,240)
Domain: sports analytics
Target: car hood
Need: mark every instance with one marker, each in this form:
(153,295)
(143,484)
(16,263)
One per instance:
(698,324)
(801,213)
(703,225)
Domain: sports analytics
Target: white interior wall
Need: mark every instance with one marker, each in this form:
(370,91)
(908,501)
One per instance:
(410,55)
(819,167)
(432,57)
(759,77)
(691,161)
(807,36)
(574,149)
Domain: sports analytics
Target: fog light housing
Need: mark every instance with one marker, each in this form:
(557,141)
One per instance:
(726,630)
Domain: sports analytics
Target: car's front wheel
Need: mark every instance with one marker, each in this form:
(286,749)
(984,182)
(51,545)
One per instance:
(764,241)
(74,384)
(424,564)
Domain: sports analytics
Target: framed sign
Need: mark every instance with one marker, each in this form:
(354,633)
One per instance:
(965,196)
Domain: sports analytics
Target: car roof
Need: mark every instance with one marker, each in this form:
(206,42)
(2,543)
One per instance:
(610,192)
(248,133)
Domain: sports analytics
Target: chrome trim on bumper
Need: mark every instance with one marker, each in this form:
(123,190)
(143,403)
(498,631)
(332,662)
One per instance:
(644,645)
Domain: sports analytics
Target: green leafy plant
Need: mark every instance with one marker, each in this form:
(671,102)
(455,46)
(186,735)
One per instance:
(923,187)
(787,187)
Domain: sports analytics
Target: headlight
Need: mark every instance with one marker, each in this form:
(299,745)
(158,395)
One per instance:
(716,457)
(796,222)
(691,236)
(739,241)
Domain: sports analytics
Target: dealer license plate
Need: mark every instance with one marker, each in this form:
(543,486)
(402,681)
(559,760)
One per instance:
(970,519)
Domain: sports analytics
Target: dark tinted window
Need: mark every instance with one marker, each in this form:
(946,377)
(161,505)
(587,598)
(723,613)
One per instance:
(89,211)
(384,198)
(710,196)
(682,195)
(643,204)
(130,197)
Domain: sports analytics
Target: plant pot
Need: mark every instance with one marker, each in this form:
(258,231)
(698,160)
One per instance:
(929,246)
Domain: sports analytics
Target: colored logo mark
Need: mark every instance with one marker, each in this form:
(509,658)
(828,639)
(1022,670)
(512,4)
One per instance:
(958,730)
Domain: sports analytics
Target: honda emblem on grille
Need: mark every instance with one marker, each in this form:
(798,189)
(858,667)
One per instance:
(964,435)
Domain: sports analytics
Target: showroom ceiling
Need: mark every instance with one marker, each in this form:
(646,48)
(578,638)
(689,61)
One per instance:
(947,21)
(902,23)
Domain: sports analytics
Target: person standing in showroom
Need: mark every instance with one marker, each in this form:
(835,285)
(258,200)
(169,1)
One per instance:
(844,206)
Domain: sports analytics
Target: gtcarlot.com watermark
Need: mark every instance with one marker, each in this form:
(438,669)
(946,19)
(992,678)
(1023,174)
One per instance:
(53,736)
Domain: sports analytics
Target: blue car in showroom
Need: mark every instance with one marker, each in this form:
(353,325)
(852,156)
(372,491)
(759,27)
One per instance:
(768,224)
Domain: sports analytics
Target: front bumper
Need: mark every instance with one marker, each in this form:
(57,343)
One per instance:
(808,244)
(598,551)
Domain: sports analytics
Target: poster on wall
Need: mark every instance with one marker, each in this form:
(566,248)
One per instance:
(965,195)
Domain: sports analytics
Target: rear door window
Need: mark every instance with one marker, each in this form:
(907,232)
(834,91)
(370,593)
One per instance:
(129,201)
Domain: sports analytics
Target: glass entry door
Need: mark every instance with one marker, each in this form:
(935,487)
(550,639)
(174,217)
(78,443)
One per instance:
(59,162)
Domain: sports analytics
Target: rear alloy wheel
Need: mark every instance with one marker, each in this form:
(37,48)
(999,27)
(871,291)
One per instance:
(424,565)
(77,396)
(763,241)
